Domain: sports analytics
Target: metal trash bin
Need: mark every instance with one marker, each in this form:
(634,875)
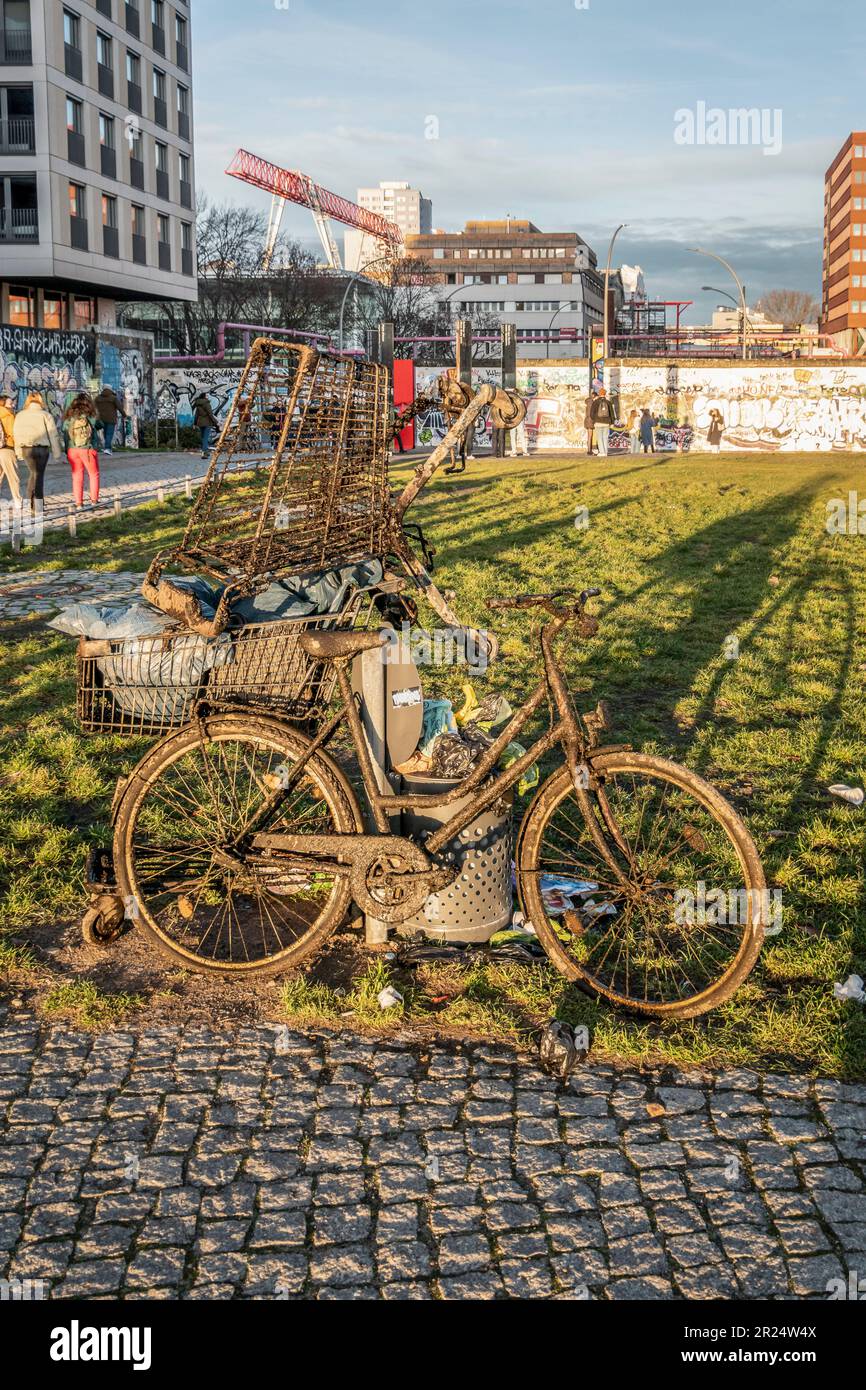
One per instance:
(478,903)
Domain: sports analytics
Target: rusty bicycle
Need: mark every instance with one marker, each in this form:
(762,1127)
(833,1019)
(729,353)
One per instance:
(242,842)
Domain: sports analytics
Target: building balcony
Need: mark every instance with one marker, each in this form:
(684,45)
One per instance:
(104,7)
(18,135)
(110,242)
(183,125)
(19,224)
(16,45)
(186,262)
(160,112)
(73,62)
(139,249)
(107,162)
(132,21)
(157,39)
(105,80)
(133,97)
(185,194)
(164,255)
(136,172)
(162,190)
(78,233)
(181,56)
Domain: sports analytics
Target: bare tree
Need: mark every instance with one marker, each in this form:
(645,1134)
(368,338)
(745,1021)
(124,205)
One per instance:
(236,286)
(789,307)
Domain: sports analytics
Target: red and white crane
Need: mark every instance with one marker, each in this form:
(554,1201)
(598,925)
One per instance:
(290,186)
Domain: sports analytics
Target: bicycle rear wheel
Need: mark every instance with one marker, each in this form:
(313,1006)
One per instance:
(670,921)
(204,904)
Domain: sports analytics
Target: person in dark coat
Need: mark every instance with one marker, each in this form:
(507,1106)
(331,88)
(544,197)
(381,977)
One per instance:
(108,412)
(205,422)
(603,415)
(716,430)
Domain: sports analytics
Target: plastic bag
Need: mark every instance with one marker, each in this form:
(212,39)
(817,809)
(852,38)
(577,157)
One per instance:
(451,757)
(438,719)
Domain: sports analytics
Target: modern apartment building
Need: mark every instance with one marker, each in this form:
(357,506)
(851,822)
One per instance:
(546,283)
(97,191)
(400,203)
(843,296)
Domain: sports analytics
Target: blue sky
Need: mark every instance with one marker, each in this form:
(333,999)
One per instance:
(545,110)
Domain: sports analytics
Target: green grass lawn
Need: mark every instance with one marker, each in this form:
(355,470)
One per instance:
(688,552)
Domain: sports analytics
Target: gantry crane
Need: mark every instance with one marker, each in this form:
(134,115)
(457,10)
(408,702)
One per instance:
(291,186)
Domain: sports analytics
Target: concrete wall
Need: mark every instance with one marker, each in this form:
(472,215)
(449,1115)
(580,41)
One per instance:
(767,409)
(60,364)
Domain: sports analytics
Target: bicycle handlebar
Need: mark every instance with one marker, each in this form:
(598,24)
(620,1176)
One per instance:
(547,601)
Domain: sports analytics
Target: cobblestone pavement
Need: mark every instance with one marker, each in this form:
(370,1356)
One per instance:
(45,591)
(271,1164)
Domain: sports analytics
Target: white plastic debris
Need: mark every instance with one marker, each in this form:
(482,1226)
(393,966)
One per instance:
(854,795)
(852,989)
(389,997)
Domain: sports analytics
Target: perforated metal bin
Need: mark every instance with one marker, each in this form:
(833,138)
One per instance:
(478,903)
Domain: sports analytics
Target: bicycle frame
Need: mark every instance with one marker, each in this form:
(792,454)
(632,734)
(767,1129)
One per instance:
(564,729)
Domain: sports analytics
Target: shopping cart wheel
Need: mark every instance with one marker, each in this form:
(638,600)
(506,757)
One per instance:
(102,923)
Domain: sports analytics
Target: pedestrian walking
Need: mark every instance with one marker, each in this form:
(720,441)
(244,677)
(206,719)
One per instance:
(518,441)
(7,447)
(108,413)
(36,440)
(587,422)
(602,415)
(647,425)
(205,422)
(633,426)
(79,425)
(716,430)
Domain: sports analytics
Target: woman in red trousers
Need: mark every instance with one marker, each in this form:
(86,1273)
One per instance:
(79,423)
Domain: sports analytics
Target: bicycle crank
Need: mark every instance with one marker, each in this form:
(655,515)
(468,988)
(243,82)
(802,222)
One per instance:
(391,877)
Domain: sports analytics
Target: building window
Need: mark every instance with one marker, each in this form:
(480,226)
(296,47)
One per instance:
(109,210)
(856,254)
(857,229)
(181,48)
(855,281)
(183,112)
(106,130)
(858,151)
(83,311)
(137,220)
(158,84)
(103,49)
(71,29)
(22,307)
(76,200)
(162,227)
(183,167)
(74,115)
(161,151)
(133,68)
(438,254)
(54,311)
(136,147)
(75,151)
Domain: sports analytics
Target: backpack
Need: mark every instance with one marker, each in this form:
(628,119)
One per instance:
(79,431)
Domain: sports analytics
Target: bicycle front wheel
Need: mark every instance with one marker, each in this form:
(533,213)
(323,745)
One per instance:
(207,900)
(669,920)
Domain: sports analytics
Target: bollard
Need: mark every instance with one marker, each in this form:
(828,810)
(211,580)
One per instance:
(72,523)
(188,485)
(117,503)
(160,493)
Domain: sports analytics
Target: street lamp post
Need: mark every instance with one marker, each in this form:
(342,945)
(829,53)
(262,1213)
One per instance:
(621,226)
(715,290)
(354,276)
(698,251)
(550,325)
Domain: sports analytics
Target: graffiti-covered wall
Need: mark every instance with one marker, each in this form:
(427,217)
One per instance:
(43,359)
(763,408)
(59,364)
(177,387)
(124,361)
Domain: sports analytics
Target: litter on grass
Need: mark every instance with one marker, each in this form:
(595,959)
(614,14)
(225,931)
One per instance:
(852,989)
